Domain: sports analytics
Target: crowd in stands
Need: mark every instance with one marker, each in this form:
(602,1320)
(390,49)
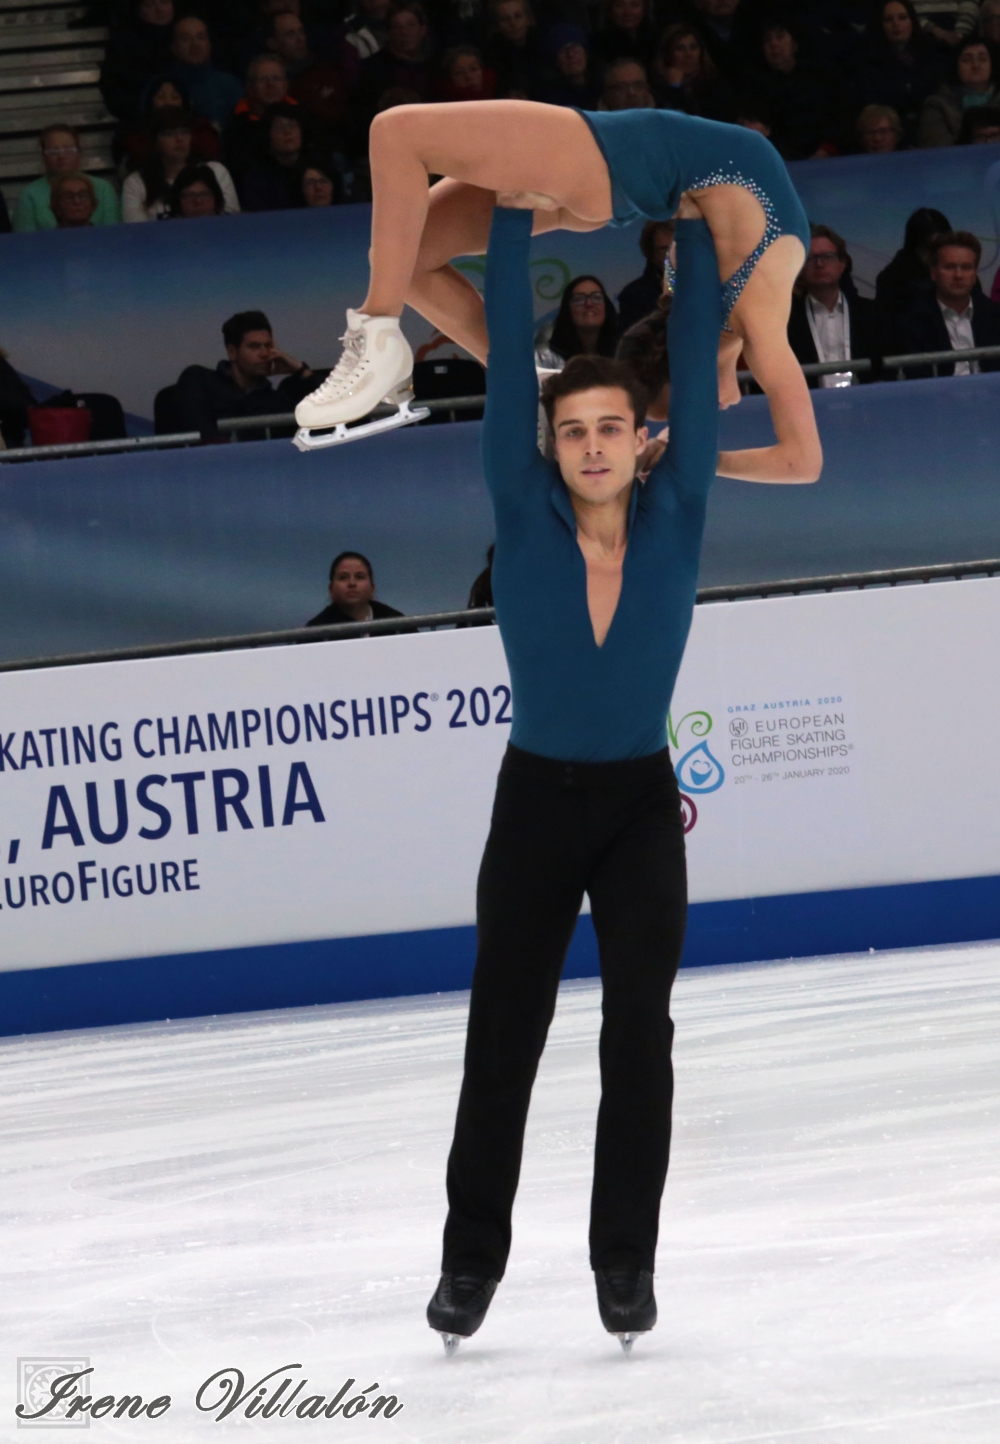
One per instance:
(266,104)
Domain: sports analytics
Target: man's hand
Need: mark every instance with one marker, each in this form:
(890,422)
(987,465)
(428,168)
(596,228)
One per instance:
(284,365)
(526,201)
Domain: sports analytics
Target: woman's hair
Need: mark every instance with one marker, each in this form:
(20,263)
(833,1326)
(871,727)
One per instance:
(923,224)
(351,556)
(707,71)
(586,373)
(565,339)
(189,176)
(154,177)
(919,40)
(149,92)
(871,113)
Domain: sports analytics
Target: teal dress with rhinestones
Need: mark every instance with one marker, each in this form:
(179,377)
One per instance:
(653,156)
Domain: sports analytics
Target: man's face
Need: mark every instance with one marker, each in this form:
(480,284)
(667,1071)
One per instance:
(512,21)
(289,38)
(157,12)
(286,138)
(627,14)
(877,137)
(196,200)
(73,204)
(406,35)
(954,275)
(61,152)
(254,355)
(663,238)
(269,84)
(191,44)
(597,444)
(718,9)
(823,267)
(779,49)
(974,66)
(466,73)
(627,88)
(351,583)
(572,60)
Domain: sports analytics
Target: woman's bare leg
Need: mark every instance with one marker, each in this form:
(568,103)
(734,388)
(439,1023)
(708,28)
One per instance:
(495,145)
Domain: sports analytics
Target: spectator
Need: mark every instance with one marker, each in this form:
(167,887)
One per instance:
(902,66)
(245,139)
(5,225)
(626,87)
(314,83)
(989,22)
(586,324)
(827,322)
(365,32)
(571,79)
(146,191)
(274,183)
(134,54)
(980,126)
(626,33)
(730,34)
(60,146)
(951,318)
(640,296)
(512,50)
(319,186)
(879,130)
(404,62)
(73,200)
(753,114)
(214,93)
(972,84)
(463,76)
(948,21)
(133,142)
(644,347)
(15,398)
(906,278)
(352,593)
(481,591)
(685,76)
(196,193)
(239,385)
(805,101)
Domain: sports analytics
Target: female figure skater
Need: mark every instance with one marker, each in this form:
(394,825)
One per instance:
(576,171)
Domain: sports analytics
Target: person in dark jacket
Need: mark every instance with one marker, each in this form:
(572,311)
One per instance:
(828,321)
(684,76)
(404,62)
(640,296)
(626,32)
(512,50)
(134,54)
(15,398)
(572,78)
(274,182)
(806,101)
(239,386)
(352,593)
(953,317)
(906,277)
(903,66)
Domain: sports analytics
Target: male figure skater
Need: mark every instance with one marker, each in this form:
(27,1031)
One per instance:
(594,580)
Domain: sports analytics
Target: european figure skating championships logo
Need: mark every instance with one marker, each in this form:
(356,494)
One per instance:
(698,772)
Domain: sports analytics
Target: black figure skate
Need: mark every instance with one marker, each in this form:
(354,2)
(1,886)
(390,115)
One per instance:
(626,1302)
(459,1306)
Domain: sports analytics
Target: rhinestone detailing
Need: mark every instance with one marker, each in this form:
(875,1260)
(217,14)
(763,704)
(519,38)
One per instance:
(733,288)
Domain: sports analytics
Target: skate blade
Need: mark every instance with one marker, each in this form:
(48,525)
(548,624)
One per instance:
(316,439)
(450,1341)
(626,1341)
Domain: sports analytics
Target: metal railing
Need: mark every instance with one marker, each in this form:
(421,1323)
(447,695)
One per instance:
(483,616)
(232,426)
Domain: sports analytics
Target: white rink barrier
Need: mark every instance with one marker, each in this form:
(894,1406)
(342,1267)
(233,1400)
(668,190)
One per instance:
(212,833)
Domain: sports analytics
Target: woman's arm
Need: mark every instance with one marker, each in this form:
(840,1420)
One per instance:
(798,456)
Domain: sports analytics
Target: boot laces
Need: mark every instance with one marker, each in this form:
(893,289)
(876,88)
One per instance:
(342,377)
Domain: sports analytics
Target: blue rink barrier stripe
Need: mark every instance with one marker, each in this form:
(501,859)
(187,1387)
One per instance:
(338,970)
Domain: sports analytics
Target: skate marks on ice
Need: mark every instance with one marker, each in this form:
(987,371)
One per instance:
(268,1189)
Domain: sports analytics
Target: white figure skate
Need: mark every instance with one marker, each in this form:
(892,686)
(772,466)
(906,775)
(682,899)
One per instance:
(376,367)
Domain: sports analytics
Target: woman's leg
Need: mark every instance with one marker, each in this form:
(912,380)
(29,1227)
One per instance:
(495,145)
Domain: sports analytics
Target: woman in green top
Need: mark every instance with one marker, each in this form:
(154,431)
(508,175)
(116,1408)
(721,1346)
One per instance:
(61,153)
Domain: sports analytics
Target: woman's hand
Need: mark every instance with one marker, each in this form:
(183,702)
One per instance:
(655,447)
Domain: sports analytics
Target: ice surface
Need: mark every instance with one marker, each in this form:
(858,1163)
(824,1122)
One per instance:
(267,1189)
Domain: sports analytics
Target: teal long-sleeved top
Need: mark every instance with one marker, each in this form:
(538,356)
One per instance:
(573,700)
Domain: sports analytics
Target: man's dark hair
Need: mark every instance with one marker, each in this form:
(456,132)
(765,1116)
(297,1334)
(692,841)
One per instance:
(586,373)
(923,224)
(648,237)
(643,349)
(237,326)
(965,239)
(827,233)
(358,557)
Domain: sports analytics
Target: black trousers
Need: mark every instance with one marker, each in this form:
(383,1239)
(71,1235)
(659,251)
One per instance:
(612,830)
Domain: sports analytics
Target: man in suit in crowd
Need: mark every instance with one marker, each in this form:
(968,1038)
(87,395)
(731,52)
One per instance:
(954,317)
(827,321)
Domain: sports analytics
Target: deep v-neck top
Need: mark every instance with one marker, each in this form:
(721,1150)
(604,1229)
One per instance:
(572,699)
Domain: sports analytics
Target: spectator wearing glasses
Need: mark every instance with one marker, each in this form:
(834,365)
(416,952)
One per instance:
(973,83)
(952,317)
(879,130)
(827,322)
(317,85)
(275,182)
(60,146)
(196,193)
(352,593)
(571,79)
(245,135)
(320,186)
(639,297)
(73,200)
(586,324)
(626,87)
(146,191)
